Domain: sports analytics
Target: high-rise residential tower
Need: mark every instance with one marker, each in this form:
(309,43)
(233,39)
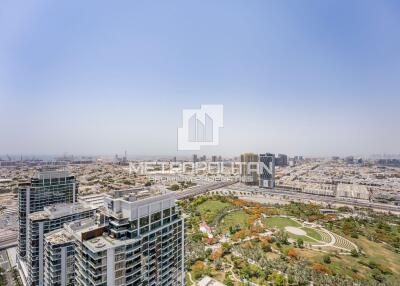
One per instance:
(267,170)
(249,168)
(139,241)
(281,160)
(59,262)
(44,189)
(51,218)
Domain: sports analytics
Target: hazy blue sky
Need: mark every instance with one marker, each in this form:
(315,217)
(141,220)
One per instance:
(299,77)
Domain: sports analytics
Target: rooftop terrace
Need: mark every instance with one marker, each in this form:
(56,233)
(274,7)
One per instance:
(59,236)
(60,210)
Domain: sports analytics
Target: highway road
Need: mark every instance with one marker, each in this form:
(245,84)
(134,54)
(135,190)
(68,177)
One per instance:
(8,240)
(198,190)
(334,200)
(291,194)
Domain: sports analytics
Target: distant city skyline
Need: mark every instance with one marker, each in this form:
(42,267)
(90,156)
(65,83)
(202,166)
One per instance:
(304,78)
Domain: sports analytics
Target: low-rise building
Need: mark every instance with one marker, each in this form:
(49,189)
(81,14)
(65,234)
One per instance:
(353,191)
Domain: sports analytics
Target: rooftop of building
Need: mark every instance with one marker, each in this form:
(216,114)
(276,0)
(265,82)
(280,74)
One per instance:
(135,194)
(98,240)
(104,242)
(82,225)
(53,174)
(59,236)
(60,210)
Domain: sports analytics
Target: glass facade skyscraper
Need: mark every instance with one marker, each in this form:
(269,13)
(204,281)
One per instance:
(267,170)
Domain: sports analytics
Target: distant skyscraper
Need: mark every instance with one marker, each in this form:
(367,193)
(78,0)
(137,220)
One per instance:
(249,172)
(214,158)
(44,189)
(267,177)
(140,243)
(281,160)
(349,160)
(195,160)
(298,159)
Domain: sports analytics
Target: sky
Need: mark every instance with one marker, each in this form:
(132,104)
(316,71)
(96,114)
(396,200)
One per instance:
(312,78)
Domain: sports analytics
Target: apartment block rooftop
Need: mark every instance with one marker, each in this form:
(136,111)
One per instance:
(92,234)
(60,210)
(137,202)
(134,194)
(53,174)
(41,176)
(59,236)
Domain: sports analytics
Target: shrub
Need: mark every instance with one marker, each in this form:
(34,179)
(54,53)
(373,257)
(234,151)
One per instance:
(198,269)
(228,281)
(300,242)
(377,275)
(292,253)
(354,253)
(327,259)
(320,268)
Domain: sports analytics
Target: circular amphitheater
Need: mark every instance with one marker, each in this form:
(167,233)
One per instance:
(318,237)
(330,240)
(336,241)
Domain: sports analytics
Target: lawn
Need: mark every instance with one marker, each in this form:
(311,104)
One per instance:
(339,264)
(378,253)
(233,219)
(304,238)
(312,233)
(280,222)
(210,208)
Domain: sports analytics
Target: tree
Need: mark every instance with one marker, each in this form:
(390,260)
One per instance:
(266,246)
(218,264)
(16,277)
(327,259)
(292,253)
(354,252)
(2,278)
(216,254)
(197,236)
(226,247)
(198,269)
(228,281)
(300,242)
(282,237)
(277,279)
(320,268)
(354,234)
(377,275)
(174,187)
